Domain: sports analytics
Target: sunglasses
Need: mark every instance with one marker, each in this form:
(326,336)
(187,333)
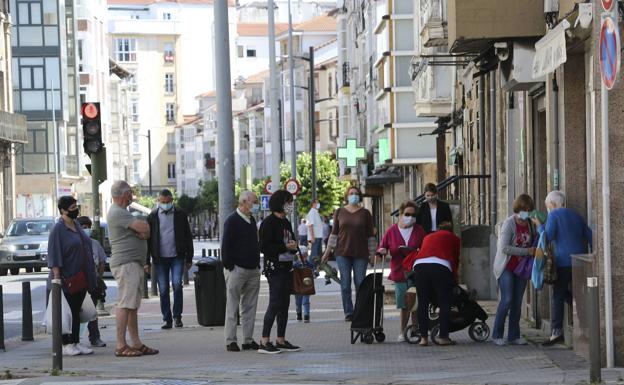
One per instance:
(409,214)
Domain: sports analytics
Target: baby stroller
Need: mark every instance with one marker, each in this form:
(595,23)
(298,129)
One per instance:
(465,312)
(367,323)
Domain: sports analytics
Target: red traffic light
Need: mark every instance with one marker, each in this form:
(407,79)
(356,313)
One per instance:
(90,110)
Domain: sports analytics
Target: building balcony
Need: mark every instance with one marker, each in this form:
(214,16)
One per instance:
(432,85)
(434,30)
(13,127)
(474,25)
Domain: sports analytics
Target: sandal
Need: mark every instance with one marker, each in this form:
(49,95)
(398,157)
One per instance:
(127,351)
(423,343)
(147,351)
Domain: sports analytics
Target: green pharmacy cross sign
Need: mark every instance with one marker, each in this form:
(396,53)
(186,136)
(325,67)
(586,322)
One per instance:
(351,153)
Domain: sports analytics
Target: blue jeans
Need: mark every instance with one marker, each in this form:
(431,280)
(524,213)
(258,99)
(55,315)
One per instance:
(561,295)
(175,267)
(345,266)
(512,290)
(317,248)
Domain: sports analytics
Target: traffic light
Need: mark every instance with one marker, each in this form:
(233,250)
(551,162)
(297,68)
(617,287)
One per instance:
(91,128)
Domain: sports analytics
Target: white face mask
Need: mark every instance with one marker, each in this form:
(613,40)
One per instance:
(524,215)
(288,208)
(408,221)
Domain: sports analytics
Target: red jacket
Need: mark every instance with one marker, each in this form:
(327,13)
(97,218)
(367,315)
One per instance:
(392,240)
(442,244)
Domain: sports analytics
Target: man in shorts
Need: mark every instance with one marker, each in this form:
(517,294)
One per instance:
(128,238)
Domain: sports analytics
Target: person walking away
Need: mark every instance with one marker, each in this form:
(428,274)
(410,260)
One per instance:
(240,255)
(70,259)
(515,243)
(99,261)
(278,244)
(170,248)
(353,243)
(570,234)
(435,268)
(326,231)
(433,211)
(302,231)
(128,237)
(405,233)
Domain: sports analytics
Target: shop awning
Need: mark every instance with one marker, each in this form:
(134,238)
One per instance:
(550,51)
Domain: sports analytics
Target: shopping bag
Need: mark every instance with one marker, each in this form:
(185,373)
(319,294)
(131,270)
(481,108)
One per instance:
(87,311)
(66,316)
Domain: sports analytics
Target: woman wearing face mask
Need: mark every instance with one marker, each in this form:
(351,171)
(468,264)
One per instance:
(405,233)
(353,243)
(70,256)
(277,242)
(516,240)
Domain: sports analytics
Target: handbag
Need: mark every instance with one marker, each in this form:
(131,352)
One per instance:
(303,281)
(524,268)
(537,273)
(550,264)
(78,282)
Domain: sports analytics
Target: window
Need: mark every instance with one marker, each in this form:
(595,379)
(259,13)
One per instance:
(241,51)
(168,53)
(251,52)
(171,147)
(166,16)
(170,112)
(134,111)
(169,83)
(125,49)
(132,83)
(135,141)
(135,171)
(171,171)
(330,85)
(29,14)
(36,156)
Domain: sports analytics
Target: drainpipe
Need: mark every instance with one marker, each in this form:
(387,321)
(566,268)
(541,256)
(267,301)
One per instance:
(556,128)
(481,148)
(453,108)
(493,171)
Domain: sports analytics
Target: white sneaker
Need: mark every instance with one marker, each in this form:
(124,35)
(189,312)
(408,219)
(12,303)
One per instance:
(498,341)
(401,338)
(83,349)
(71,350)
(518,341)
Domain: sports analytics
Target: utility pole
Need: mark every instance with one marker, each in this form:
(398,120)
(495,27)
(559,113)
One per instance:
(293,139)
(273,102)
(225,135)
(312,117)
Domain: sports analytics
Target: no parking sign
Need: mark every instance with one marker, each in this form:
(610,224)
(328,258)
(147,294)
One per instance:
(609,49)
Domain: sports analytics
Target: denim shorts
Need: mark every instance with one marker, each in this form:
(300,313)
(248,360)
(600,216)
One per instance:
(400,288)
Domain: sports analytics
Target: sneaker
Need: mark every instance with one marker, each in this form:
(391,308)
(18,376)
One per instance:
(167,325)
(306,319)
(287,347)
(71,350)
(519,341)
(232,347)
(553,340)
(498,341)
(98,343)
(251,346)
(268,348)
(178,322)
(401,338)
(299,318)
(83,349)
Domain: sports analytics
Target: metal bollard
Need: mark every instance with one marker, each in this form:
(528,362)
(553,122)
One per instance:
(203,253)
(57,326)
(594,330)
(154,281)
(27,324)
(210,252)
(1,321)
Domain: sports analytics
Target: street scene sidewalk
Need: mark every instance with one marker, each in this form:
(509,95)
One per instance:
(195,355)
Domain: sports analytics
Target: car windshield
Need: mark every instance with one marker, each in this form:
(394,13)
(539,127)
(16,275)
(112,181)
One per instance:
(19,228)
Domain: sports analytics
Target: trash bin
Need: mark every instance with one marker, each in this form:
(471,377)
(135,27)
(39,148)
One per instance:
(210,292)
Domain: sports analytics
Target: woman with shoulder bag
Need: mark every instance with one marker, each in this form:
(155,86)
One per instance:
(515,245)
(279,246)
(70,259)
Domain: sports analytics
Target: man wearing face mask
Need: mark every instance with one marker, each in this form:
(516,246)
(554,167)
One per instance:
(433,211)
(240,255)
(170,248)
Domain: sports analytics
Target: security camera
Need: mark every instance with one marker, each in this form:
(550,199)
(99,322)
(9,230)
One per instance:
(585,15)
(502,50)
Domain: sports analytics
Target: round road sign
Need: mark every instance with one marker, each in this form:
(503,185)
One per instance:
(609,48)
(268,187)
(292,186)
(607,4)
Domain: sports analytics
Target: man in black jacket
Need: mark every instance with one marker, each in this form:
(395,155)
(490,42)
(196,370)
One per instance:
(170,247)
(241,262)
(433,211)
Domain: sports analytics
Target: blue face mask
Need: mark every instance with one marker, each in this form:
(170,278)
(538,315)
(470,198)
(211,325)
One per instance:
(354,199)
(87,231)
(166,206)
(524,215)
(255,209)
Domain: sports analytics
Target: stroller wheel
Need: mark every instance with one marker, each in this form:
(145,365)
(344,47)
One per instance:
(368,338)
(435,334)
(479,331)
(380,337)
(411,334)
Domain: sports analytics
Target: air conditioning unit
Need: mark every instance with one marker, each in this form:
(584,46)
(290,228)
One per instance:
(517,70)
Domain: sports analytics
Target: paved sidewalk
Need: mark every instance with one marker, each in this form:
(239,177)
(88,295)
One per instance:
(196,355)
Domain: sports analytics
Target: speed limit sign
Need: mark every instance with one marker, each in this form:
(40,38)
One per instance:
(292,186)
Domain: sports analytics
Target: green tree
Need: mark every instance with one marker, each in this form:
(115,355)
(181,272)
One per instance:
(330,189)
(189,204)
(208,197)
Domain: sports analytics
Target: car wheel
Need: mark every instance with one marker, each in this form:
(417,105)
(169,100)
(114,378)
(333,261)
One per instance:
(14,270)
(3,271)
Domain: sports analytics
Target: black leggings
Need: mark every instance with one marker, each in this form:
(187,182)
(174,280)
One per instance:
(433,279)
(280,283)
(75,304)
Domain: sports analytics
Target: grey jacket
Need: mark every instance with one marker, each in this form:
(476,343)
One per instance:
(505,248)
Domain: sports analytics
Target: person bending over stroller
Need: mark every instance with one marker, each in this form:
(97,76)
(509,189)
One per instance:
(435,272)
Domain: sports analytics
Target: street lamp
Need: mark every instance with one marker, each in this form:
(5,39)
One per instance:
(149,158)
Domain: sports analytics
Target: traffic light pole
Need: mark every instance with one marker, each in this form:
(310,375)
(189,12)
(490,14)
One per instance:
(312,117)
(95,189)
